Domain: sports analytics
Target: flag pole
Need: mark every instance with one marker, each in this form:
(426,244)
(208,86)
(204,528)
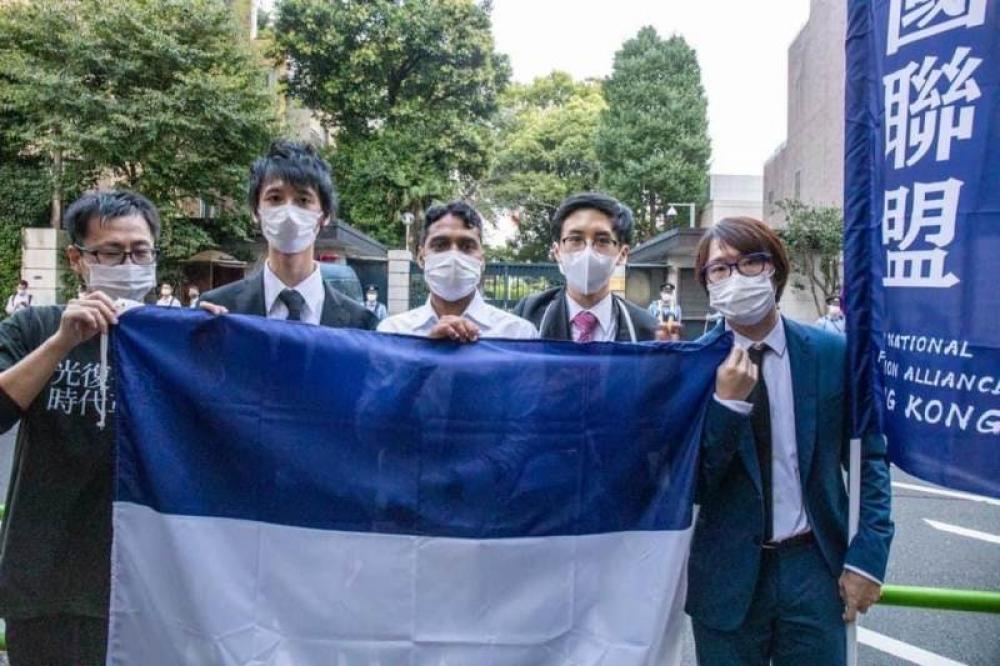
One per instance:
(853,518)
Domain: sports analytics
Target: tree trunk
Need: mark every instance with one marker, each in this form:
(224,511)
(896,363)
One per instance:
(55,218)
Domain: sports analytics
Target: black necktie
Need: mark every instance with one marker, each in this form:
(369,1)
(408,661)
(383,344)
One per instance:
(760,419)
(294,301)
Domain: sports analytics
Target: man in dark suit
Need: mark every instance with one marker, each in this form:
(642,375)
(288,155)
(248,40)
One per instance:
(772,575)
(292,197)
(590,237)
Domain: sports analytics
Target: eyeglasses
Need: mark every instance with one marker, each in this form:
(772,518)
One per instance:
(142,256)
(750,265)
(576,243)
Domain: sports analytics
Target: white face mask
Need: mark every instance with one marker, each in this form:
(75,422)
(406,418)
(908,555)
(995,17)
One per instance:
(129,281)
(587,271)
(289,229)
(452,275)
(743,300)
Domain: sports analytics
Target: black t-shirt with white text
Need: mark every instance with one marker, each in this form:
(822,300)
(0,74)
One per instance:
(55,540)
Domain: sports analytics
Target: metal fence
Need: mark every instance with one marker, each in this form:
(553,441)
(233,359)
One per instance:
(504,283)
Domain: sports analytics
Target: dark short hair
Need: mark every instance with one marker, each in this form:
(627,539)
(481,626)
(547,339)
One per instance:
(22,283)
(622,221)
(745,235)
(297,164)
(108,205)
(371,287)
(666,286)
(459,209)
(831,300)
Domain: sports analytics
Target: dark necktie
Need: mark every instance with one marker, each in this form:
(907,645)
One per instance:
(760,419)
(294,301)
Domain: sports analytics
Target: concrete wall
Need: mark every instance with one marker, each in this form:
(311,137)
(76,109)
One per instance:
(813,153)
(41,249)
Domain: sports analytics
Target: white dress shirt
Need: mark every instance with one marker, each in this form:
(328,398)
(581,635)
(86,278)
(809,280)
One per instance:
(607,323)
(311,289)
(492,322)
(789,513)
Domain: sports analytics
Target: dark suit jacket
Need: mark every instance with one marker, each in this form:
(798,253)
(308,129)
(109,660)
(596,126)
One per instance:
(725,552)
(549,313)
(247,297)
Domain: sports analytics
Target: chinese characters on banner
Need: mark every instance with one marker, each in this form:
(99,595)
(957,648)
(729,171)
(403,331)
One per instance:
(922,236)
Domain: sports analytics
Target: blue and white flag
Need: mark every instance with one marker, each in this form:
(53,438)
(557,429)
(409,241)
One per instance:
(922,233)
(293,495)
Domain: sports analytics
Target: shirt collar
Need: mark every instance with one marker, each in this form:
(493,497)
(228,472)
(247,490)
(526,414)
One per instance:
(311,288)
(477,310)
(602,310)
(775,339)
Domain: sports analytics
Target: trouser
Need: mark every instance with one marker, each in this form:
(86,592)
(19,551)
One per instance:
(795,617)
(57,640)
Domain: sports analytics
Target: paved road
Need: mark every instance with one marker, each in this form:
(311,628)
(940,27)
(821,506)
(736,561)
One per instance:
(921,555)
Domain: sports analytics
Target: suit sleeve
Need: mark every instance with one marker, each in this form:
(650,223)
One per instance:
(721,435)
(868,552)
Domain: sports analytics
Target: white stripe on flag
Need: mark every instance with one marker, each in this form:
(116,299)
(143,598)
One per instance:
(205,590)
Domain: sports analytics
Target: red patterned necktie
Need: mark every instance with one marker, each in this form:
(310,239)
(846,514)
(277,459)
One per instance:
(585,323)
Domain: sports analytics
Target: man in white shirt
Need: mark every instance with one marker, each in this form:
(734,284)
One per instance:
(451,255)
(167,298)
(292,197)
(20,299)
(772,575)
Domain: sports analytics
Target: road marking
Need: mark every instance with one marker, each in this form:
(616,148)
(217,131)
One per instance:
(905,651)
(963,531)
(947,493)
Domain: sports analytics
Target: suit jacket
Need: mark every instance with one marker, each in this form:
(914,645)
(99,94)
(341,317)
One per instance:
(549,313)
(725,552)
(247,297)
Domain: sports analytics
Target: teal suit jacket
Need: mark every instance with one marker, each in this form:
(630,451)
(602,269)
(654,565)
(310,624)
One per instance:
(725,551)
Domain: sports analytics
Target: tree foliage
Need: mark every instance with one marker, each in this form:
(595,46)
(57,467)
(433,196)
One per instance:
(814,236)
(546,152)
(160,96)
(652,141)
(408,90)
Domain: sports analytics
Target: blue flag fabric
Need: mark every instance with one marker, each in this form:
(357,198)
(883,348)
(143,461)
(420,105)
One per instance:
(922,234)
(342,447)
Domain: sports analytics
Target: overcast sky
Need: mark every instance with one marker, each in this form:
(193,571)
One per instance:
(742,48)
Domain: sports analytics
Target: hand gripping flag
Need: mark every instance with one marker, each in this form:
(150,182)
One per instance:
(292,495)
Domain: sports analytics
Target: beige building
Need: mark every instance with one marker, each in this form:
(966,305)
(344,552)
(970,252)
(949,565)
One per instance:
(809,165)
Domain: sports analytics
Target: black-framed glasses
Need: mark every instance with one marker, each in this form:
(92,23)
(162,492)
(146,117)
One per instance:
(576,243)
(749,265)
(110,256)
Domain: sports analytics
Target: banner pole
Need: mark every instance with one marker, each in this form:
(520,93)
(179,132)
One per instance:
(853,518)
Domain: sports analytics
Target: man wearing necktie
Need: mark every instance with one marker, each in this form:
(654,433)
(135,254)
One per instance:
(292,197)
(772,577)
(591,233)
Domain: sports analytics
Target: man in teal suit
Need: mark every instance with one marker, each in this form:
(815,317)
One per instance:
(772,577)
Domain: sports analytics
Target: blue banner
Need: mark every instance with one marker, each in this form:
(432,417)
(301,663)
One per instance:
(292,494)
(241,417)
(922,233)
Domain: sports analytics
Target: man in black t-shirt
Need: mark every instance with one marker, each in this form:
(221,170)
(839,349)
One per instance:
(56,536)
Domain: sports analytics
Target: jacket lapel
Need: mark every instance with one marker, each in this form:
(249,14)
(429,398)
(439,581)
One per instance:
(334,314)
(555,318)
(802,358)
(251,299)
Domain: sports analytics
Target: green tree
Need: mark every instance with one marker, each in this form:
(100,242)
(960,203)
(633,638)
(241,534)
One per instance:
(814,236)
(546,152)
(408,91)
(161,96)
(652,141)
